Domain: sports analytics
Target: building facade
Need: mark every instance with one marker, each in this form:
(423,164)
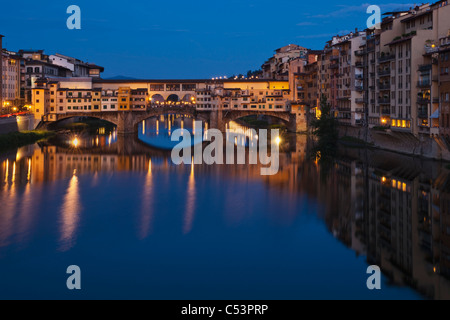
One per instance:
(11,81)
(1,74)
(52,97)
(277,67)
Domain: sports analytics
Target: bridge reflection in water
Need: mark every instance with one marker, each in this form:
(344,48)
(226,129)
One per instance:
(157,131)
(391,209)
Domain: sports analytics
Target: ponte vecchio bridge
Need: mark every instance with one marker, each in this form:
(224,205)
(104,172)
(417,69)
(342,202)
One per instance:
(126,103)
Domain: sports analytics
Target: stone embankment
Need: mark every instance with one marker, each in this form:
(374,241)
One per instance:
(405,143)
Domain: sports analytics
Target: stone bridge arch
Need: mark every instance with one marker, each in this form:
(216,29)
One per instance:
(236,114)
(173,98)
(112,118)
(158,98)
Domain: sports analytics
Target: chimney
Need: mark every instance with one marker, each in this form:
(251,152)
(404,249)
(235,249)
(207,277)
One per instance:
(1,73)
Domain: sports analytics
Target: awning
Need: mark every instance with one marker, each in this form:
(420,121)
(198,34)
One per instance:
(435,115)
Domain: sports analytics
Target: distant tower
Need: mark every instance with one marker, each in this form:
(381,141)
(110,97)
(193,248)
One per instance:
(1,73)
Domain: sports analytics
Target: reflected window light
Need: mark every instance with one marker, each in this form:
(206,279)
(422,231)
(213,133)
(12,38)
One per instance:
(29,170)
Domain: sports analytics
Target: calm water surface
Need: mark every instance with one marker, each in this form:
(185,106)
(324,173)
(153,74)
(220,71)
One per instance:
(140,227)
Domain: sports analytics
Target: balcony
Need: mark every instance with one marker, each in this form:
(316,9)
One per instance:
(384,86)
(431,49)
(386,57)
(359,76)
(422,113)
(359,88)
(386,111)
(383,73)
(360,53)
(360,64)
(332,58)
(423,100)
(424,84)
(425,67)
(384,101)
(360,100)
(334,66)
(435,100)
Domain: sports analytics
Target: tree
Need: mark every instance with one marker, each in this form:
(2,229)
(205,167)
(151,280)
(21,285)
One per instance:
(325,128)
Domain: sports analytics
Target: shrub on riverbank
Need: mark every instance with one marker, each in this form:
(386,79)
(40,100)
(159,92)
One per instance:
(20,139)
(325,128)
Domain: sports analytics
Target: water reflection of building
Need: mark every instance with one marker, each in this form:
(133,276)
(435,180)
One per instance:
(390,208)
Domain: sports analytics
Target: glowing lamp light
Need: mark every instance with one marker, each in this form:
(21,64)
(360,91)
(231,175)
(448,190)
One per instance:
(278,140)
(75,142)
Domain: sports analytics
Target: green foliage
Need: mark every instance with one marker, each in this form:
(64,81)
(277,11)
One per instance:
(19,139)
(325,128)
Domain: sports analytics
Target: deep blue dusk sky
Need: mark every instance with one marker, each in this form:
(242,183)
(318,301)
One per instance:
(180,39)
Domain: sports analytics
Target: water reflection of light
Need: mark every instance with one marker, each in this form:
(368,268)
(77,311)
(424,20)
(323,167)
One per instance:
(29,170)
(147,204)
(13,178)
(143,127)
(157,127)
(6,171)
(70,211)
(190,201)
(8,199)
(28,204)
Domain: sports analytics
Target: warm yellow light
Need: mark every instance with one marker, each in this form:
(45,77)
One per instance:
(278,140)
(383,120)
(383,179)
(75,142)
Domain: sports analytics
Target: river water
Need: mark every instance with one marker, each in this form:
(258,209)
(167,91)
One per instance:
(139,226)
